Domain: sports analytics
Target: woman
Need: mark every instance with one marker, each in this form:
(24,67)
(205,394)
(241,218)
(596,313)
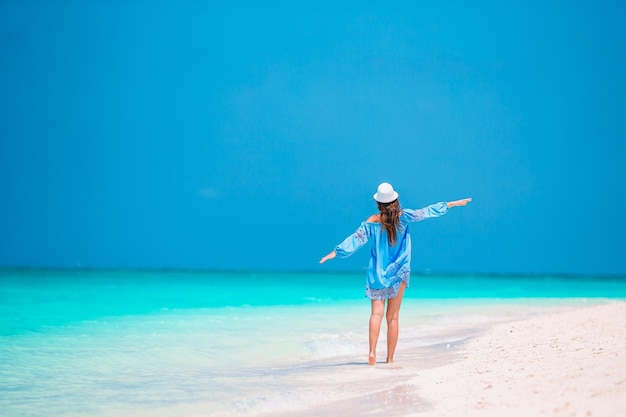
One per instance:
(389,268)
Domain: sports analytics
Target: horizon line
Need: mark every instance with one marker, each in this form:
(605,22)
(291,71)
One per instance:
(310,271)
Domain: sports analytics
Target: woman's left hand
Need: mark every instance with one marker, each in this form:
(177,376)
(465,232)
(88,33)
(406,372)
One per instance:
(459,203)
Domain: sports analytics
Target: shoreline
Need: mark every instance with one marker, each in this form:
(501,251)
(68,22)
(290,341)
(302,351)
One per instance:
(564,363)
(347,385)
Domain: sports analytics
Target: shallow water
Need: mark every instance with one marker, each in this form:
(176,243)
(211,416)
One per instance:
(116,343)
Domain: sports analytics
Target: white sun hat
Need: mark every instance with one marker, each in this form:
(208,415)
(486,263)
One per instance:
(385,193)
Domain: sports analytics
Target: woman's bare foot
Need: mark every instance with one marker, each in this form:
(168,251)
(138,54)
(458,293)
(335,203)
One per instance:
(389,360)
(372,360)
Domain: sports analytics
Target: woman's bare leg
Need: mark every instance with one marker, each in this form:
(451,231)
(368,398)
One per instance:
(378,309)
(393,312)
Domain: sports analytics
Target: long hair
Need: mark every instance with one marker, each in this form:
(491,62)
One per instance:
(390,219)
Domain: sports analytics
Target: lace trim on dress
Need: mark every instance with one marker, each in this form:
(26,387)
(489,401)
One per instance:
(391,292)
(395,270)
(418,215)
(360,235)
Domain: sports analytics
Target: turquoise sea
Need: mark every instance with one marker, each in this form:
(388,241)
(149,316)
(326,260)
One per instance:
(179,343)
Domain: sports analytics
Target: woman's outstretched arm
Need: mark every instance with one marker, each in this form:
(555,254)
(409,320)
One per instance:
(350,244)
(331,255)
(459,203)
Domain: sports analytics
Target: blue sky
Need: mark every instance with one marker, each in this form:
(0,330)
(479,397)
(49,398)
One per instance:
(245,136)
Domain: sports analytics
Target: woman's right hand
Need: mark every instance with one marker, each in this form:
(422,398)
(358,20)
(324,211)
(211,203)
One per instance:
(329,256)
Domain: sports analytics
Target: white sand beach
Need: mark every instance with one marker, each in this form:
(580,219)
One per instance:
(571,363)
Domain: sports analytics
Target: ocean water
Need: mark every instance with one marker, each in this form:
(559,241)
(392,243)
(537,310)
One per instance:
(170,343)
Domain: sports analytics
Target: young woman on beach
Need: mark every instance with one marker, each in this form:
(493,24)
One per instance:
(389,268)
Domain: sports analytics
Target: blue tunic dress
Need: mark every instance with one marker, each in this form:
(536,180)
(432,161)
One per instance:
(389,265)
